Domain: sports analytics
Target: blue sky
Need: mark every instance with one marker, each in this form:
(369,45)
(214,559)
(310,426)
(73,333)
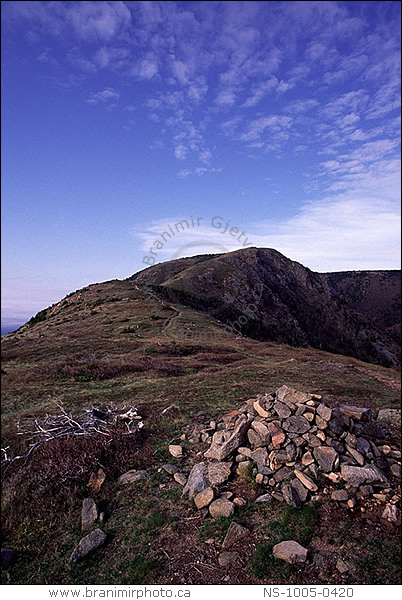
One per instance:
(278,120)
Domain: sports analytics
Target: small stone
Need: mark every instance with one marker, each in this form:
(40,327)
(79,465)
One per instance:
(282,410)
(395,470)
(277,435)
(306,481)
(222,447)
(243,468)
(235,533)
(227,495)
(391,513)
(356,455)
(334,477)
(352,502)
(96,480)
(180,478)
(212,425)
(296,425)
(221,508)
(309,416)
(228,559)
(324,412)
(218,473)
(362,445)
(197,480)
(312,440)
(342,566)
(245,451)
(171,469)
(88,544)
(132,476)
(262,431)
(239,501)
(320,422)
(302,492)
(340,495)
(7,557)
(204,498)
(325,456)
(264,498)
(356,412)
(204,437)
(290,551)
(259,478)
(380,497)
(176,451)
(259,408)
(89,513)
(291,496)
(321,436)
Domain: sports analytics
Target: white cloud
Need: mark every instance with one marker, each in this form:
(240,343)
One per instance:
(104,96)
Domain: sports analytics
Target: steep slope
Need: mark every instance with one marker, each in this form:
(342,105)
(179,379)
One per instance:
(374,294)
(260,293)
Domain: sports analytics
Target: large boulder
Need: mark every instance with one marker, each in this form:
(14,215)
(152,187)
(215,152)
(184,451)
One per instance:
(356,476)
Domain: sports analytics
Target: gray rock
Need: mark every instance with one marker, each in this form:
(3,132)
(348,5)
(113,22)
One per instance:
(220,451)
(285,393)
(324,412)
(342,566)
(356,455)
(340,495)
(362,445)
(89,513)
(260,457)
(262,431)
(235,533)
(282,410)
(290,551)
(391,513)
(282,474)
(228,559)
(171,469)
(356,412)
(357,476)
(302,492)
(312,440)
(88,544)
(296,425)
(395,470)
(7,557)
(336,424)
(218,473)
(388,416)
(264,498)
(291,496)
(197,480)
(221,508)
(132,476)
(325,456)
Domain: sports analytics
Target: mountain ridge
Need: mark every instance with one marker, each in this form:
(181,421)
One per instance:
(290,303)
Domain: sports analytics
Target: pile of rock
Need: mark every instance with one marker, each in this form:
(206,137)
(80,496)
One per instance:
(291,442)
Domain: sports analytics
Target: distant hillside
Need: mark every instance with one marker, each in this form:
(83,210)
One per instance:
(260,293)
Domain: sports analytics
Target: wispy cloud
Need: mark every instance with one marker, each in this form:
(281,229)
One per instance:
(104,96)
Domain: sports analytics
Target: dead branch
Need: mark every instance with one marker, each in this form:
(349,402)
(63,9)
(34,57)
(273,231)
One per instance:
(91,422)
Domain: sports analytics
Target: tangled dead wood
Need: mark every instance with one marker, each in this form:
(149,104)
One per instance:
(92,422)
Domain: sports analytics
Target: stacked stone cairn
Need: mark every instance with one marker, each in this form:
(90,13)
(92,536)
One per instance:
(288,441)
